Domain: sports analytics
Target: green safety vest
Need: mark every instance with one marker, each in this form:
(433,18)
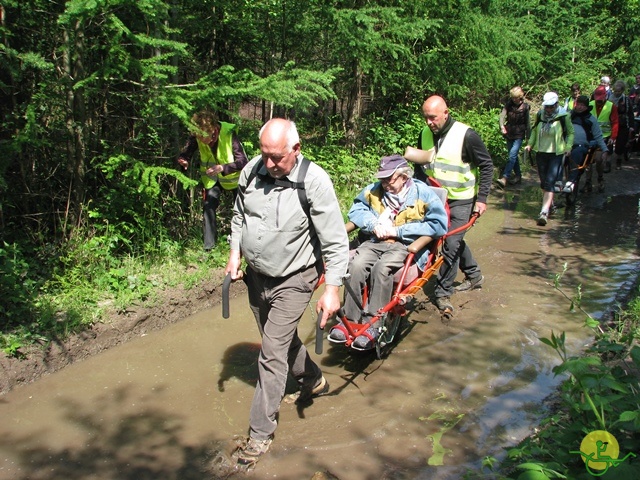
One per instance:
(456,176)
(604,119)
(568,104)
(223,155)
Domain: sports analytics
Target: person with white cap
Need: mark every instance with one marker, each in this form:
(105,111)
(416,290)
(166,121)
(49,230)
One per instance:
(605,82)
(395,211)
(551,138)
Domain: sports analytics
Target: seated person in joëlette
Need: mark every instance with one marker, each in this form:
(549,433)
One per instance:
(395,211)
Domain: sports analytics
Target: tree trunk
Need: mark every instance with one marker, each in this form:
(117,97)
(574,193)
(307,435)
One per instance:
(76,120)
(353,108)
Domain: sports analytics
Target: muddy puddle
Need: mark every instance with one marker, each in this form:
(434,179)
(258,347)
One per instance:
(160,406)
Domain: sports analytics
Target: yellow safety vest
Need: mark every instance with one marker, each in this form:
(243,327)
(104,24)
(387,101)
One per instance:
(604,119)
(456,176)
(223,155)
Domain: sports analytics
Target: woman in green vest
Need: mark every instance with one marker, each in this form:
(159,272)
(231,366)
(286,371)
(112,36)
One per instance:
(222,157)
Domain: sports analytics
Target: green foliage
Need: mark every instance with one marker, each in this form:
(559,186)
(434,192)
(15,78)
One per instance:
(486,123)
(17,285)
(95,108)
(601,393)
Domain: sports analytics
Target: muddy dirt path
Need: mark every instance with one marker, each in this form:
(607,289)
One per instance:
(161,404)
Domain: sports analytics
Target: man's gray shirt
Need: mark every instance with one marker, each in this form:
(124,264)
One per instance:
(271,228)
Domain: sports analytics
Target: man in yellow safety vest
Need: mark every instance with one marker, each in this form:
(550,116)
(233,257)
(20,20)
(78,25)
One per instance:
(462,165)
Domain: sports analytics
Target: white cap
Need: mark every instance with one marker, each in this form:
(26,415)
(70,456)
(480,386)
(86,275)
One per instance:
(550,98)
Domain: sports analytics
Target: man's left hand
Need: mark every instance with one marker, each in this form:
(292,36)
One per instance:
(480,208)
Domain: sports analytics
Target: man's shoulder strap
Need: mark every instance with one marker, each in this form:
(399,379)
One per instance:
(299,186)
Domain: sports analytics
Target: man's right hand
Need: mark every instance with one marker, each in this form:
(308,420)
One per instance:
(234,264)
(183,163)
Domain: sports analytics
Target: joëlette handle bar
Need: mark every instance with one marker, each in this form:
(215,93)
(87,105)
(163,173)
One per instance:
(225,295)
(319,330)
(466,226)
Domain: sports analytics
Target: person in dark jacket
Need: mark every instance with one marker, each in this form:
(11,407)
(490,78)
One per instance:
(463,166)
(586,134)
(514,126)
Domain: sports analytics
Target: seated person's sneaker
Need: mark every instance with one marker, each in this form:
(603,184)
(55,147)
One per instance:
(250,452)
(338,333)
(367,340)
(568,187)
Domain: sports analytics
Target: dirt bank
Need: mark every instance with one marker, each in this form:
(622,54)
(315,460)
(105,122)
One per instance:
(173,305)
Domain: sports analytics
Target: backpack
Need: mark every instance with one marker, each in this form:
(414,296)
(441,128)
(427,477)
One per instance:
(562,120)
(585,122)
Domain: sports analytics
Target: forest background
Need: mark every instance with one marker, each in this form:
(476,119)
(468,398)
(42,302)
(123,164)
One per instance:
(96,97)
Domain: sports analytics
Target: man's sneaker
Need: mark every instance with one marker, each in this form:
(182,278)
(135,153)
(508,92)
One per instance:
(542,219)
(470,284)
(502,182)
(444,304)
(250,452)
(306,394)
(568,187)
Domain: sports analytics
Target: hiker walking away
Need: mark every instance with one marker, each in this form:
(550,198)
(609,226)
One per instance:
(551,138)
(625,122)
(514,126)
(607,114)
(221,159)
(587,134)
(463,166)
(285,221)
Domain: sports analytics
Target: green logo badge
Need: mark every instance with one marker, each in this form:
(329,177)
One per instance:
(600,451)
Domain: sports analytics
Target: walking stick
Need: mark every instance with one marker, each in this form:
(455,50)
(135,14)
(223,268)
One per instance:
(225,295)
(319,330)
